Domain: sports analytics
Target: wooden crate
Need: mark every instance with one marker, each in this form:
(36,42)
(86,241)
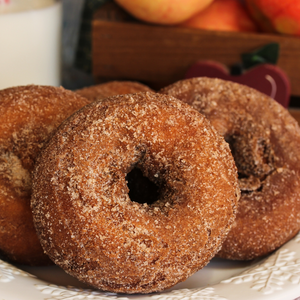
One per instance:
(123,48)
(296,114)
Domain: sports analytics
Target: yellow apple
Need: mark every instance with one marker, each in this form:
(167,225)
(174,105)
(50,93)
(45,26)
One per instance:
(165,12)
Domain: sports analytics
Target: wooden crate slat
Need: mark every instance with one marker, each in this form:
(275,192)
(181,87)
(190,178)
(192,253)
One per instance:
(148,53)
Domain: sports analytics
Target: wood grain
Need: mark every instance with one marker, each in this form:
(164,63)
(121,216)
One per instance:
(160,55)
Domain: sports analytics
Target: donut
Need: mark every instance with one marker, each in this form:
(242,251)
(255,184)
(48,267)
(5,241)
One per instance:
(265,143)
(112,88)
(28,115)
(85,219)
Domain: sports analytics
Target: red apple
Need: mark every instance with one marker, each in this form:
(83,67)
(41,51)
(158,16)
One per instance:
(225,15)
(163,11)
(282,16)
(266,78)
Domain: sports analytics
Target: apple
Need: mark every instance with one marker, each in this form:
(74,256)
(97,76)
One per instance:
(282,16)
(167,12)
(266,78)
(224,15)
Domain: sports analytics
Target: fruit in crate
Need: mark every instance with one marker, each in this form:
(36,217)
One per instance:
(282,16)
(225,15)
(163,11)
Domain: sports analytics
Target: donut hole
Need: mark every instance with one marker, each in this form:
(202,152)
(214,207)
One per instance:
(253,158)
(16,176)
(141,188)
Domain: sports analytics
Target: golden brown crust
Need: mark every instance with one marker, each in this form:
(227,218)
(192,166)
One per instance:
(28,115)
(265,142)
(112,88)
(86,221)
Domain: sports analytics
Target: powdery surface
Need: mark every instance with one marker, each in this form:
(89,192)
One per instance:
(112,88)
(265,142)
(87,223)
(28,115)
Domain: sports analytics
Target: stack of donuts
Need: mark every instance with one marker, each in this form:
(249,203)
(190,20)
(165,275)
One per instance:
(132,190)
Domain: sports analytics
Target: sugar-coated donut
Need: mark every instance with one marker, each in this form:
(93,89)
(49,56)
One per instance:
(85,219)
(28,115)
(265,142)
(112,88)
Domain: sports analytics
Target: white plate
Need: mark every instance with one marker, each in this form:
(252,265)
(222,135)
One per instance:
(276,277)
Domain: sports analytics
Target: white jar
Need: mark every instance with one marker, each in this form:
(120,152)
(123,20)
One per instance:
(30,42)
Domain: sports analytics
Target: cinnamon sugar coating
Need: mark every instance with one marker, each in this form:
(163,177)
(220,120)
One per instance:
(265,142)
(112,88)
(28,115)
(85,219)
